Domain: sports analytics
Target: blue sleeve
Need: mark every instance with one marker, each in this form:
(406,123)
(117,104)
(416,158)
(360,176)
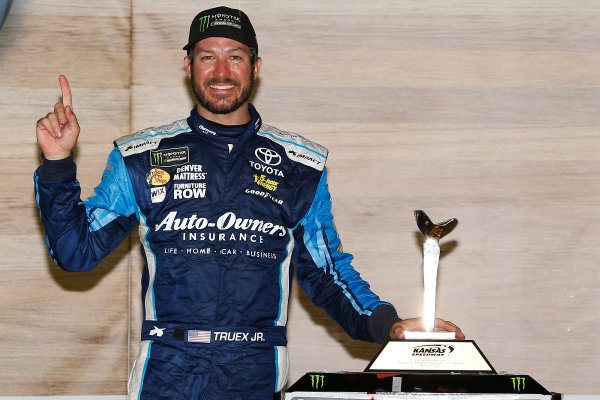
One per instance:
(79,234)
(326,274)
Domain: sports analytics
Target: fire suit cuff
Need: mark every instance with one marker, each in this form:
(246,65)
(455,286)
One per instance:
(381,321)
(53,170)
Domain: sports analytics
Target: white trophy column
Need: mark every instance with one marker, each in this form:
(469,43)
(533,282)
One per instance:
(431,258)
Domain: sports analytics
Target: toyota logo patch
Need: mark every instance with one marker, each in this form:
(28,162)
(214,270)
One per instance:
(268,156)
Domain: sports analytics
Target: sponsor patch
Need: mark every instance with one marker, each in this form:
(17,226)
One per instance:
(206,131)
(266,195)
(194,188)
(157,177)
(189,191)
(268,156)
(158,194)
(266,169)
(138,146)
(225,222)
(311,159)
(191,172)
(170,157)
(266,183)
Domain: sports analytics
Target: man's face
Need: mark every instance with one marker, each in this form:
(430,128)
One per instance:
(222,74)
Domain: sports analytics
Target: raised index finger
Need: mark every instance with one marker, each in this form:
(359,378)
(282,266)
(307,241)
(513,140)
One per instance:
(66,91)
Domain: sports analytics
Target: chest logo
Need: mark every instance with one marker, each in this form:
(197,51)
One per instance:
(157,177)
(265,182)
(170,157)
(158,194)
(268,156)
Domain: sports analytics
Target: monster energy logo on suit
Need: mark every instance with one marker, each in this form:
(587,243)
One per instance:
(169,157)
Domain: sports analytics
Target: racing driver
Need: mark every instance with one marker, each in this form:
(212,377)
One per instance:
(226,206)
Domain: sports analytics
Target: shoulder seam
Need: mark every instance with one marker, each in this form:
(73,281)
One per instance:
(149,138)
(297,147)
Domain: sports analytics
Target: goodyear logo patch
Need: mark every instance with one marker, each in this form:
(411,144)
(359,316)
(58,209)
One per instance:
(170,157)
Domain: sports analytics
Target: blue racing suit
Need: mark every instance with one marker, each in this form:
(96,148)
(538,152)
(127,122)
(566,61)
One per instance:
(222,223)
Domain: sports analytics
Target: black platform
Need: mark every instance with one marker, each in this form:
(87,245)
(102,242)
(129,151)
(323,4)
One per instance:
(414,386)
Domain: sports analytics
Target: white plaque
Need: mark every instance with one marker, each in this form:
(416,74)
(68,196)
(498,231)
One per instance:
(430,356)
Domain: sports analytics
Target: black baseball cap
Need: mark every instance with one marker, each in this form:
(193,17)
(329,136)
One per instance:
(222,22)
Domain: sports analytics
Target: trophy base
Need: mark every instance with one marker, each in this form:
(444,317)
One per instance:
(411,335)
(432,356)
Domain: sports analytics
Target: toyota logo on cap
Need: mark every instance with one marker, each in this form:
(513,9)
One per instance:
(268,156)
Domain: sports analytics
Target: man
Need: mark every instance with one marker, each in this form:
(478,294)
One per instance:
(226,206)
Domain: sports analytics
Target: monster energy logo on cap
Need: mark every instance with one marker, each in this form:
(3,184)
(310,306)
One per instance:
(203,23)
(170,157)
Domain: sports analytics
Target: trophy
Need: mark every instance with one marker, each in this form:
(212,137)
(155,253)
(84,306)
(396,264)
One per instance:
(430,351)
(431,257)
(424,365)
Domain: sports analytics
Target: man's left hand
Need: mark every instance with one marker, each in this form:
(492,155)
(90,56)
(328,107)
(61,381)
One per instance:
(416,324)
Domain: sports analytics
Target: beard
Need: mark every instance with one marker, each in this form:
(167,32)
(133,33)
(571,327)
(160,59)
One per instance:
(221,105)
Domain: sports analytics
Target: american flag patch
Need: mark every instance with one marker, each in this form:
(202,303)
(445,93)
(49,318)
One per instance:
(198,336)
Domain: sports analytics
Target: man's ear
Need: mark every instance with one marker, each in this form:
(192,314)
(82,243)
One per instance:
(257,65)
(187,63)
